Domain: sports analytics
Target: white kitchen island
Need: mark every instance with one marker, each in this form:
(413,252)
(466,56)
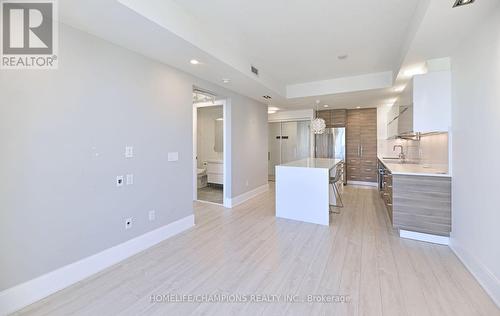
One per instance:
(303,190)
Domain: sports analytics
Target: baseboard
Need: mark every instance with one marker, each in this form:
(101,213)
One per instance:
(24,294)
(435,239)
(482,274)
(370,184)
(232,202)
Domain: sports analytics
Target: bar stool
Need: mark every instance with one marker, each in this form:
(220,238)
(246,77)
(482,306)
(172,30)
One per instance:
(339,171)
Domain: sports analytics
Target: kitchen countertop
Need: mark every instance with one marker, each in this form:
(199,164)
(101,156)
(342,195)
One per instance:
(322,163)
(417,169)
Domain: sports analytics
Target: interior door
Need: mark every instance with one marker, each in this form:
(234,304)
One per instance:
(288,141)
(303,140)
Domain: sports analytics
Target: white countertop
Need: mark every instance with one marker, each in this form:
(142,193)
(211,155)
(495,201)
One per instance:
(418,169)
(322,163)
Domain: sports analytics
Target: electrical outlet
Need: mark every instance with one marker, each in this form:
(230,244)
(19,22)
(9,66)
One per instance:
(247,183)
(119,181)
(129,152)
(130,179)
(128,223)
(152,215)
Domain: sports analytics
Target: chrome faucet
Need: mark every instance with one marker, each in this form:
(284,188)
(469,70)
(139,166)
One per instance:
(401,154)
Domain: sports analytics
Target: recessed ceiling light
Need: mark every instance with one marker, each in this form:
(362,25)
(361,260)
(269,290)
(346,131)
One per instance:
(225,80)
(326,105)
(194,62)
(460,3)
(358,107)
(342,57)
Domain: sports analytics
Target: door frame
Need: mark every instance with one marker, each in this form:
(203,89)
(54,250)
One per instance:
(225,155)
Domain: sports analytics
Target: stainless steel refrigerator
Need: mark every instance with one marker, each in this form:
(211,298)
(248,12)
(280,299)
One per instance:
(331,144)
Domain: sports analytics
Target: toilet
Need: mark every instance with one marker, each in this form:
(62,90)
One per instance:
(202,178)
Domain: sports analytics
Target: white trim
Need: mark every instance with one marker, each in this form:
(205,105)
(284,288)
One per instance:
(481,273)
(232,202)
(370,184)
(209,202)
(435,239)
(21,295)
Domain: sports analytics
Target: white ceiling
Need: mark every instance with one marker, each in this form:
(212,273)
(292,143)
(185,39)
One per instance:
(294,44)
(299,41)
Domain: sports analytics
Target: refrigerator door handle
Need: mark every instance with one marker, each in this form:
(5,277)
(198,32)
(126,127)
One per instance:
(361,150)
(359,147)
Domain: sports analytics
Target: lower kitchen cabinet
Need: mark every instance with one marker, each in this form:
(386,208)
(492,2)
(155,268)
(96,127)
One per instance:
(418,203)
(422,204)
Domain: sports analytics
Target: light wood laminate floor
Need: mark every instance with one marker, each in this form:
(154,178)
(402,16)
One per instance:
(247,250)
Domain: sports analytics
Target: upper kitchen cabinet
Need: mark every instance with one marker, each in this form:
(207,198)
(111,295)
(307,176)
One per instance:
(333,118)
(424,106)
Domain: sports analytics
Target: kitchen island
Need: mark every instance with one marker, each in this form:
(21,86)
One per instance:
(303,192)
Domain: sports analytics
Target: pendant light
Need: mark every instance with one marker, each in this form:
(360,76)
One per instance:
(318,125)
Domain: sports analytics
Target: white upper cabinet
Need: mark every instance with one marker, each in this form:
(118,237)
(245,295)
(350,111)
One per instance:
(424,106)
(432,102)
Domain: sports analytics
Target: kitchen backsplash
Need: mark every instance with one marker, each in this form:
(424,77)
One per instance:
(432,149)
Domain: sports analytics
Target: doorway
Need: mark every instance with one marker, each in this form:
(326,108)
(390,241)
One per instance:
(208,146)
(288,141)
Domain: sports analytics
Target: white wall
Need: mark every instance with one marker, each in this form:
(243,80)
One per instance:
(476,139)
(63,134)
(248,139)
(292,115)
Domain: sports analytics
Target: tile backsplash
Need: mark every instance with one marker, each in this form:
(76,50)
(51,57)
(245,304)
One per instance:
(431,149)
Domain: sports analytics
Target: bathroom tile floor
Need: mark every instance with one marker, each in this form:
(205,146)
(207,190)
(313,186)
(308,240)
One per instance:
(211,194)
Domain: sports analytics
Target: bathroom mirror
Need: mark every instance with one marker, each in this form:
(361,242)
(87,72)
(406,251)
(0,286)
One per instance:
(219,135)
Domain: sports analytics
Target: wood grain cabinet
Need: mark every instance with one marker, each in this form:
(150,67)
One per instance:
(333,118)
(361,145)
(417,203)
(422,204)
(339,118)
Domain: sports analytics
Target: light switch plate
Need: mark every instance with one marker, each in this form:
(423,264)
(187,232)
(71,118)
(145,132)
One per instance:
(152,215)
(130,179)
(174,156)
(129,151)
